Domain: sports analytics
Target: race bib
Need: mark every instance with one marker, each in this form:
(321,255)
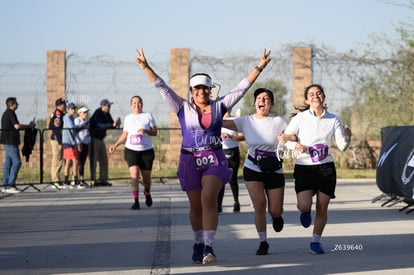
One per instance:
(205,158)
(259,154)
(136,139)
(318,152)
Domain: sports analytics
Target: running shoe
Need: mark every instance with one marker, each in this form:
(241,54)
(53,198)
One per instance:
(56,185)
(148,198)
(209,256)
(198,249)
(135,206)
(106,183)
(66,186)
(81,185)
(316,248)
(11,190)
(305,219)
(263,248)
(236,207)
(278,223)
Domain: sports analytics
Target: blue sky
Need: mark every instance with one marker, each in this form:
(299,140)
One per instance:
(116,27)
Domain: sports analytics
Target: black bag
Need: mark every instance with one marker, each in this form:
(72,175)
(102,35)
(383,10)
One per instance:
(267,164)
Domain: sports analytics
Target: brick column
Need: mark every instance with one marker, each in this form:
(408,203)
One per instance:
(302,73)
(55,88)
(179,82)
(179,77)
(55,78)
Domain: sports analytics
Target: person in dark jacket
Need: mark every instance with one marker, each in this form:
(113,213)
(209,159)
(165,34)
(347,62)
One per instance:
(10,138)
(56,126)
(100,121)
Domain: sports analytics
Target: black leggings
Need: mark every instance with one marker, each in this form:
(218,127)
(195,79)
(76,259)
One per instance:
(234,163)
(82,155)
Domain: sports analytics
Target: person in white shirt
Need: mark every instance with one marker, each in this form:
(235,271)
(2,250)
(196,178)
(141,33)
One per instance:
(83,139)
(138,129)
(265,183)
(314,172)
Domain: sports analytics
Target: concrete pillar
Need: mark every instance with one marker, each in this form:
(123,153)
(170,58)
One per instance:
(55,78)
(179,77)
(302,73)
(179,82)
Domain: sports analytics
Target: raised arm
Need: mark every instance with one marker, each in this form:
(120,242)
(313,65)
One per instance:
(143,64)
(264,60)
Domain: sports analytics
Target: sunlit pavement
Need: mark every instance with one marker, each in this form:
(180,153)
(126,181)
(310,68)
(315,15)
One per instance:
(93,231)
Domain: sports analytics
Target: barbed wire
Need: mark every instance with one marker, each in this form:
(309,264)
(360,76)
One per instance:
(90,79)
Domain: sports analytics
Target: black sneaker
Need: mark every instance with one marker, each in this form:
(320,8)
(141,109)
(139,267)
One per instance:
(198,249)
(97,183)
(278,223)
(135,206)
(106,183)
(263,248)
(306,219)
(148,199)
(236,207)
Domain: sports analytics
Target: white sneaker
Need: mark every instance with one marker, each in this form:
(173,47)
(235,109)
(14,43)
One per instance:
(12,190)
(84,183)
(72,185)
(81,185)
(64,186)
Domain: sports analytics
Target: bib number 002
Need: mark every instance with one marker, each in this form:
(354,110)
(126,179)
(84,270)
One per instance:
(206,158)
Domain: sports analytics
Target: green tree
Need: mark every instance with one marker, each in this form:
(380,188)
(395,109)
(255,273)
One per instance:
(383,94)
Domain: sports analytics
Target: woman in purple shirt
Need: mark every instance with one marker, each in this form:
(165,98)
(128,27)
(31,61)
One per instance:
(203,167)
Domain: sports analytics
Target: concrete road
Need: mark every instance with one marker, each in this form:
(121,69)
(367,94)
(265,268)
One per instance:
(93,231)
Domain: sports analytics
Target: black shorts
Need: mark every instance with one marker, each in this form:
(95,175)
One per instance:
(143,159)
(270,180)
(321,177)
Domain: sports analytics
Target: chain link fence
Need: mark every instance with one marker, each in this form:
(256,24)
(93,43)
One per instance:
(88,80)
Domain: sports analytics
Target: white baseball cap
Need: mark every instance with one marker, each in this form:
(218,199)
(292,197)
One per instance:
(83,110)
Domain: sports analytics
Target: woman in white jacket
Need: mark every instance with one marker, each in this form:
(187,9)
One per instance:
(314,171)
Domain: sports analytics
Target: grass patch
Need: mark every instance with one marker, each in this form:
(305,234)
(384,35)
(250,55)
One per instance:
(32,175)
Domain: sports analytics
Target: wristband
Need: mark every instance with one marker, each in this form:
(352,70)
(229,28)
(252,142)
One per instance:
(259,68)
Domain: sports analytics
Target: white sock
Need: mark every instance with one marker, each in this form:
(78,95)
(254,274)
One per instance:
(209,236)
(198,236)
(316,238)
(262,236)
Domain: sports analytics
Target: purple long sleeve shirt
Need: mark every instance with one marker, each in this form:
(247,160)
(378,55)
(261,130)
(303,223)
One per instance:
(194,135)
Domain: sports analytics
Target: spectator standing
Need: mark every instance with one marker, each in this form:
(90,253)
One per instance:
(138,129)
(70,147)
(83,139)
(100,121)
(10,138)
(56,125)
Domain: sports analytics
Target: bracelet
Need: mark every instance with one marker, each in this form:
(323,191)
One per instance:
(260,69)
